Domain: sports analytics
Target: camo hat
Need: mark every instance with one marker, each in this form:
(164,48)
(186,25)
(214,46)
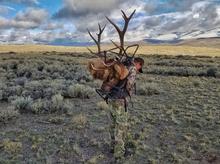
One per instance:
(141,61)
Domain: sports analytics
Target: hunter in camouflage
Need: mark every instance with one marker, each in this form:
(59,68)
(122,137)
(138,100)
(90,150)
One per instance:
(118,115)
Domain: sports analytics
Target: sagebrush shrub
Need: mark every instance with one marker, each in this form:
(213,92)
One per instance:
(80,91)
(57,101)
(11,147)
(212,72)
(58,105)
(8,114)
(23,104)
(102,105)
(38,106)
(79,121)
(148,89)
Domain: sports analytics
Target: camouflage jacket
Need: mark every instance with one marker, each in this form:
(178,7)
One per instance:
(129,85)
(131,79)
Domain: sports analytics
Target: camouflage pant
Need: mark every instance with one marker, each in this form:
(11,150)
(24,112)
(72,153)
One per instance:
(119,127)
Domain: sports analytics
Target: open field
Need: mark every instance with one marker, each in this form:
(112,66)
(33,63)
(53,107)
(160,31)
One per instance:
(202,42)
(144,49)
(49,112)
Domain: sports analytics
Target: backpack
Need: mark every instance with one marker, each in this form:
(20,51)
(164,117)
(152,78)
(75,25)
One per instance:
(118,91)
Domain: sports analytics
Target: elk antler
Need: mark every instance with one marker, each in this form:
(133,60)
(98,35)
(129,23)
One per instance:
(98,40)
(122,32)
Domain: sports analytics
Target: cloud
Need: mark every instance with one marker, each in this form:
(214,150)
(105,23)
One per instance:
(75,8)
(26,2)
(28,19)
(86,13)
(157,6)
(200,15)
(5,9)
(32,15)
(50,26)
(16,37)
(70,22)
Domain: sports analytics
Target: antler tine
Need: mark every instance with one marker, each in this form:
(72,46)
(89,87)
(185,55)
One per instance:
(125,16)
(90,50)
(122,32)
(127,19)
(101,29)
(116,45)
(92,36)
(97,41)
(116,27)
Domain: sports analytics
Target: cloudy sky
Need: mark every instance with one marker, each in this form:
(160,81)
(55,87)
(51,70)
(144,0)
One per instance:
(66,21)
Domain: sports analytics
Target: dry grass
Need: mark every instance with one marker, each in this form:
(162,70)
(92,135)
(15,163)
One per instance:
(144,49)
(174,117)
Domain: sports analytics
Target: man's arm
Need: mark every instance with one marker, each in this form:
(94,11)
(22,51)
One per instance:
(131,80)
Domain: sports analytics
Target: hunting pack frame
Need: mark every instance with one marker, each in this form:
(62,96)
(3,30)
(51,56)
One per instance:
(112,70)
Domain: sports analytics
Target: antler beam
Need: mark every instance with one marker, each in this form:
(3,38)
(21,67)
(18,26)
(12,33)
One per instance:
(122,32)
(98,40)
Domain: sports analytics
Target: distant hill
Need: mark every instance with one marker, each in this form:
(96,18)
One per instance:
(65,42)
(198,38)
(202,42)
(157,41)
(213,42)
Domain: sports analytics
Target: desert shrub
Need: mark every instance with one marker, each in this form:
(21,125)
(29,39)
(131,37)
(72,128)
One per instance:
(38,106)
(11,146)
(4,66)
(58,105)
(96,159)
(8,114)
(56,120)
(80,91)
(95,84)
(196,82)
(23,104)
(69,76)
(2,70)
(37,75)
(178,71)
(13,65)
(59,84)
(218,74)
(45,88)
(82,75)
(40,66)
(12,91)
(57,101)
(102,105)
(212,72)
(55,75)
(79,121)
(148,89)
(26,70)
(10,75)
(36,89)
(52,68)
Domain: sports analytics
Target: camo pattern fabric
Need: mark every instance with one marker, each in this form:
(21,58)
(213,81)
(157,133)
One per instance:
(131,80)
(119,127)
(119,119)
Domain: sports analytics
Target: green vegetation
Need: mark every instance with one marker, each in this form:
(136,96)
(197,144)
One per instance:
(49,112)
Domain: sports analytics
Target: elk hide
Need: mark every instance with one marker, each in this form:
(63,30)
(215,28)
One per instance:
(100,71)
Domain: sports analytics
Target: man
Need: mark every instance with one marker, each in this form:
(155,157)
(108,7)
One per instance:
(118,114)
